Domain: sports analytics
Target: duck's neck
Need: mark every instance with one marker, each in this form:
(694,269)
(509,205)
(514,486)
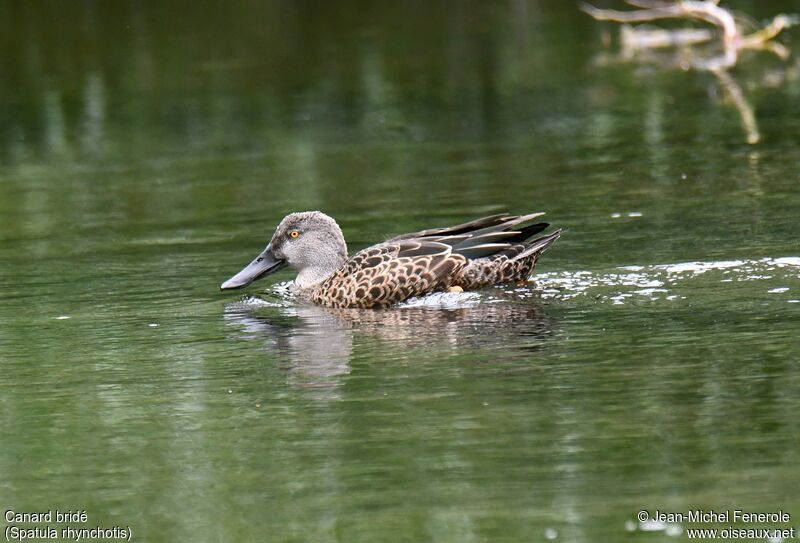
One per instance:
(325,264)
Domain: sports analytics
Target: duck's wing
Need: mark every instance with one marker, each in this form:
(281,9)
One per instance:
(471,226)
(513,263)
(483,237)
(390,273)
(498,249)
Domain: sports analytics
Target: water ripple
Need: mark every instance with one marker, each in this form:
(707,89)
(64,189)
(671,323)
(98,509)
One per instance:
(667,281)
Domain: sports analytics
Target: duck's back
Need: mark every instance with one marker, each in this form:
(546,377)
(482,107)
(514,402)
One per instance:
(472,255)
(390,273)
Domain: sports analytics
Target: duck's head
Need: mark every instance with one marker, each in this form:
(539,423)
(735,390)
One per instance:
(311,242)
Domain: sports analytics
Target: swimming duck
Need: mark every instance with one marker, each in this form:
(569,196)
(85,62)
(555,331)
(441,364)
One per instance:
(479,253)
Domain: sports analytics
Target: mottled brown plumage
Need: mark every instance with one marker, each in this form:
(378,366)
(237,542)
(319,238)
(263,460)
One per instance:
(487,251)
(387,274)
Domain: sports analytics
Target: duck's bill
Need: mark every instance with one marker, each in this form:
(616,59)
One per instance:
(263,265)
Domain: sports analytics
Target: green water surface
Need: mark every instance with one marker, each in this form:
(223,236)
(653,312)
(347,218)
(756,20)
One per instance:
(148,149)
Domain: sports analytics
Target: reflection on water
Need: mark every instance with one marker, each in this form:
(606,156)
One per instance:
(318,342)
(700,49)
(145,146)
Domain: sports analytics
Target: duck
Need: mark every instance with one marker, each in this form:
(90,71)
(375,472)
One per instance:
(487,251)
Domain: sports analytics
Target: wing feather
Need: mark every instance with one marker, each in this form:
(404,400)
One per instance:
(492,234)
(478,253)
(390,273)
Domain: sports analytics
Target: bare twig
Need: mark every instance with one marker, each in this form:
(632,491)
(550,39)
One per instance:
(703,10)
(648,4)
(736,37)
(666,12)
(656,38)
(767,33)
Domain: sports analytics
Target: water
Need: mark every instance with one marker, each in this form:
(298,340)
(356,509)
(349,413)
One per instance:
(148,151)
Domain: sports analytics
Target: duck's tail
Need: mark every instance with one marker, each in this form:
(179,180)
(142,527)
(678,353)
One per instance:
(538,246)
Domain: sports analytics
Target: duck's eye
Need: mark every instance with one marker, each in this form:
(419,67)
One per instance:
(294,234)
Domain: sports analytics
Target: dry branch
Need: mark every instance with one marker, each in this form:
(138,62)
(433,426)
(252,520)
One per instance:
(703,10)
(656,38)
(707,11)
(734,38)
